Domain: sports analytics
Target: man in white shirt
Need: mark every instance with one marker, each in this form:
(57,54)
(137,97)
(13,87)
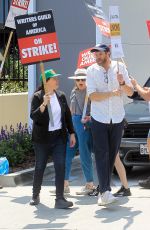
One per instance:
(107,80)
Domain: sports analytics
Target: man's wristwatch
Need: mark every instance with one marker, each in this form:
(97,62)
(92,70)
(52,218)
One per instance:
(123,83)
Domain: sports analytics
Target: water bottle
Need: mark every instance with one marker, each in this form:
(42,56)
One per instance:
(4,166)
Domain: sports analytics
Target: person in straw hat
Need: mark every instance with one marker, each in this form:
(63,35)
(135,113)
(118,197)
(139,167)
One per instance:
(80,105)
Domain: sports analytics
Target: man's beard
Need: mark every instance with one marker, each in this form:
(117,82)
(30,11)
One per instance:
(101,62)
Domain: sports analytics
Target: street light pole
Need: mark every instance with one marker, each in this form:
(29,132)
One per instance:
(98,34)
(31,72)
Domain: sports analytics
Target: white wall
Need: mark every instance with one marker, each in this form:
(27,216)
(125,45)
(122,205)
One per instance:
(14,109)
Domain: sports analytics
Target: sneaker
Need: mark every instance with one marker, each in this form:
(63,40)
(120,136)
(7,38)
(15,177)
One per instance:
(35,200)
(66,190)
(1,186)
(145,183)
(63,203)
(95,192)
(106,198)
(85,191)
(123,192)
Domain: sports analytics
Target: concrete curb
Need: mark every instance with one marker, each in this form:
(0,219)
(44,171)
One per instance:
(25,177)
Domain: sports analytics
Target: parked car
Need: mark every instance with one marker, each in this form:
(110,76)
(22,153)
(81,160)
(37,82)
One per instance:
(133,149)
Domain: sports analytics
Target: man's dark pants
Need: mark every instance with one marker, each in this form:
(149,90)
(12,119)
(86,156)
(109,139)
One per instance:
(106,140)
(57,148)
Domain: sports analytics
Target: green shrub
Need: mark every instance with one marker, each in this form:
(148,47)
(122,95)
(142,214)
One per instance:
(15,145)
(13,87)
(12,151)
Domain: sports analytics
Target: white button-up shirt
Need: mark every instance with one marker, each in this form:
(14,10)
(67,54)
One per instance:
(112,108)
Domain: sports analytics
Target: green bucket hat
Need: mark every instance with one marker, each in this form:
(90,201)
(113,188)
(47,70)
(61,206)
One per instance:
(49,74)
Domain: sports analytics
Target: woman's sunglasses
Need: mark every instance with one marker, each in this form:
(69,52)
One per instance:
(80,80)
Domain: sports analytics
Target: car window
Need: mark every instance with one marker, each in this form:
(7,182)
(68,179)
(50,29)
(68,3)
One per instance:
(147,83)
(138,109)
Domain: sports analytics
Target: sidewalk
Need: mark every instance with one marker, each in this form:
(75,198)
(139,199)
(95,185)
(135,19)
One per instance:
(128,213)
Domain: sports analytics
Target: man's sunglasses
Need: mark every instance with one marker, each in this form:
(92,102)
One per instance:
(80,80)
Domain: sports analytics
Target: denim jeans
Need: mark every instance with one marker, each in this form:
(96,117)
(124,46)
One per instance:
(106,140)
(57,148)
(70,154)
(84,143)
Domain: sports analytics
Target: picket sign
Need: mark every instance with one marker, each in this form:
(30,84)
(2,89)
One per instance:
(99,17)
(6,51)
(116,45)
(38,42)
(17,7)
(148,26)
(45,89)
(85,59)
(37,37)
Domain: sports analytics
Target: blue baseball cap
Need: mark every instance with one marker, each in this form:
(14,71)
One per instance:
(100,47)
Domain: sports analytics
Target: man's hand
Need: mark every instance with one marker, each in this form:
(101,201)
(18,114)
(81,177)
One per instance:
(72,140)
(116,92)
(120,79)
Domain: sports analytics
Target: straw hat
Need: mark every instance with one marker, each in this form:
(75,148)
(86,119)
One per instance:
(79,74)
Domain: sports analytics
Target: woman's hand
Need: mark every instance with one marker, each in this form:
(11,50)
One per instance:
(72,140)
(134,82)
(86,119)
(146,89)
(46,99)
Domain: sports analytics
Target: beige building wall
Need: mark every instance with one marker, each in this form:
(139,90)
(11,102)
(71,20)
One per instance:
(13,109)
(134,33)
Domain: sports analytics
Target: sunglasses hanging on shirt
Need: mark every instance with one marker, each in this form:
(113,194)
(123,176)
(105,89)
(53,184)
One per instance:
(106,77)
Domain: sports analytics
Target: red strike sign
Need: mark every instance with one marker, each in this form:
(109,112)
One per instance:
(85,59)
(43,47)
(37,37)
(23,4)
(103,26)
(148,26)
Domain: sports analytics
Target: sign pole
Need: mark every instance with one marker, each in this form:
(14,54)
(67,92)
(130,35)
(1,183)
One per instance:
(46,91)
(1,57)
(6,51)
(118,66)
